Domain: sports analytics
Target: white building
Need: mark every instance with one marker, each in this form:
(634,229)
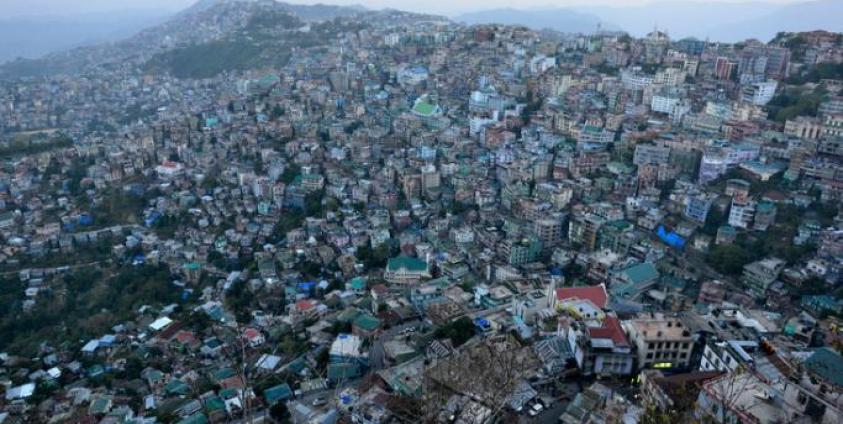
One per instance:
(741,214)
(759,93)
(664,104)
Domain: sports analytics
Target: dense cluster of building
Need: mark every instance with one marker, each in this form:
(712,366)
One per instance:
(426,222)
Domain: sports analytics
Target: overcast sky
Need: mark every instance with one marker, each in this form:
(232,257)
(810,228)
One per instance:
(11,8)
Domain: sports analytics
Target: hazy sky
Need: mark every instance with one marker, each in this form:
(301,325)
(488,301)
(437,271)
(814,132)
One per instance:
(10,8)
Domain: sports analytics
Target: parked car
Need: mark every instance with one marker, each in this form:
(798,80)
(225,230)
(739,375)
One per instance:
(536,409)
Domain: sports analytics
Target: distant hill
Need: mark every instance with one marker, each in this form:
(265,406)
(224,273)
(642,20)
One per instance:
(816,15)
(307,13)
(211,37)
(563,20)
(723,21)
(33,37)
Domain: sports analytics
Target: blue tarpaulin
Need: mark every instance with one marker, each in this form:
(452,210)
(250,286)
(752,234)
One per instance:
(152,218)
(672,239)
(482,323)
(307,286)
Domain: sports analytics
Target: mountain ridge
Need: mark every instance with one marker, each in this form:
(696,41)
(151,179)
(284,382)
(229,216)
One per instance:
(562,19)
(728,22)
(250,32)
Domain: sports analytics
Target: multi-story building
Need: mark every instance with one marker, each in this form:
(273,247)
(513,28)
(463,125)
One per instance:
(738,189)
(712,166)
(548,230)
(664,103)
(608,353)
(617,236)
(660,341)
(833,125)
(741,214)
(759,93)
(583,229)
(765,216)
(648,154)
(724,68)
(727,355)
(697,207)
(759,275)
(521,251)
(804,127)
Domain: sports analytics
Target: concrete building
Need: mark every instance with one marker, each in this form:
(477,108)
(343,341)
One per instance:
(406,270)
(583,230)
(660,341)
(759,275)
(549,231)
(741,214)
(804,127)
(609,352)
(759,93)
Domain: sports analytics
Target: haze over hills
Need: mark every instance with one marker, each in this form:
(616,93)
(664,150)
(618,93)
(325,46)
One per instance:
(210,37)
(308,13)
(822,14)
(34,36)
(719,22)
(58,33)
(563,20)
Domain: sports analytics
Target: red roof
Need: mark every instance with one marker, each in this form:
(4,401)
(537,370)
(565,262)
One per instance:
(611,329)
(185,337)
(380,289)
(304,304)
(251,333)
(596,294)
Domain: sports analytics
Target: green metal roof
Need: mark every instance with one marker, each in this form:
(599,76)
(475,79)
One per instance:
(620,224)
(348,315)
(195,419)
(367,322)
(358,283)
(176,386)
(424,108)
(641,273)
(100,405)
(406,262)
(223,373)
(214,403)
(343,371)
(827,364)
(277,393)
(229,393)
(822,301)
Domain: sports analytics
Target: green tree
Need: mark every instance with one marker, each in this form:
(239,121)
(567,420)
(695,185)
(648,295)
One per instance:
(459,331)
(729,259)
(279,412)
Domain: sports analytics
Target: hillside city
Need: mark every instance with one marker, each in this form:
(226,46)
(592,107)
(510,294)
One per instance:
(259,212)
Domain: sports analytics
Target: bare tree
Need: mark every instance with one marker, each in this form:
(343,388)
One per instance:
(486,373)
